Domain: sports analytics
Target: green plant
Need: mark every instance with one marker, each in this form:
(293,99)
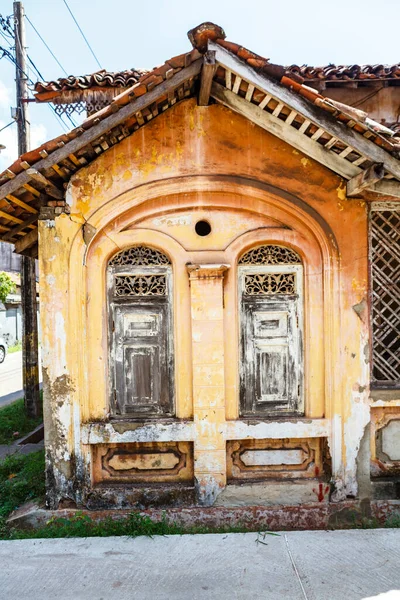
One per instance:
(393,521)
(21,479)
(14,422)
(7,286)
(15,347)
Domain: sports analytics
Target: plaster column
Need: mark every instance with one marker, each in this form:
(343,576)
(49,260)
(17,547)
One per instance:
(58,332)
(207,304)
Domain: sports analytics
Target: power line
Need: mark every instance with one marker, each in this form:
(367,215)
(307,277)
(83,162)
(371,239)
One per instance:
(5,38)
(51,52)
(83,35)
(6,26)
(42,78)
(12,60)
(5,127)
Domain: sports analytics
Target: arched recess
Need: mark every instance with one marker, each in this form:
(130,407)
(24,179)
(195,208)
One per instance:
(307,232)
(97,322)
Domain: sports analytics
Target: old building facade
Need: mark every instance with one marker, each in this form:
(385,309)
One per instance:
(220,291)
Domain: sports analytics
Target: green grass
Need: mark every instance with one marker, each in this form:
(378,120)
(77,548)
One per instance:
(14,423)
(21,479)
(135,524)
(15,348)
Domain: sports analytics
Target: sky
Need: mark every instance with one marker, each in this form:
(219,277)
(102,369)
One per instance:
(126,34)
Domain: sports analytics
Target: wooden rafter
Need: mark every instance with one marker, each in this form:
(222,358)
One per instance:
(207,74)
(279,128)
(315,115)
(49,187)
(29,240)
(387,188)
(104,126)
(365,179)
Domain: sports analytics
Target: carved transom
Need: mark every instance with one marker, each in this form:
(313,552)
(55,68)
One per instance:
(140,256)
(385,255)
(140,285)
(270,255)
(269,283)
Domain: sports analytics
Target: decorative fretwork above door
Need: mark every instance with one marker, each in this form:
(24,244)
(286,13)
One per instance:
(385,291)
(140,256)
(270,255)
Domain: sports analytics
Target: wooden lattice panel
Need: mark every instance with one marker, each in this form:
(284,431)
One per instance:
(385,269)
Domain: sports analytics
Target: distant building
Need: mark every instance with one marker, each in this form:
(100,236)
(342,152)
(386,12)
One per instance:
(10,311)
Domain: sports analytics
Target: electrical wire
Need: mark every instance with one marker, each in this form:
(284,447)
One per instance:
(9,56)
(5,126)
(51,52)
(6,39)
(11,59)
(42,78)
(83,35)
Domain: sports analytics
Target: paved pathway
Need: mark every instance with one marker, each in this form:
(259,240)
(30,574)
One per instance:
(11,378)
(301,565)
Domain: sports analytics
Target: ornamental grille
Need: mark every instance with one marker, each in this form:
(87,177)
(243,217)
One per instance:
(269,283)
(140,285)
(385,257)
(270,255)
(140,256)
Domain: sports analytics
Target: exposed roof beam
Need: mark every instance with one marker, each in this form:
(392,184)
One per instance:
(365,179)
(27,223)
(387,188)
(207,74)
(22,204)
(283,131)
(316,115)
(27,241)
(49,187)
(92,134)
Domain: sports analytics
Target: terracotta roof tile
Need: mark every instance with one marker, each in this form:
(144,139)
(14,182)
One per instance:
(57,171)
(99,79)
(347,72)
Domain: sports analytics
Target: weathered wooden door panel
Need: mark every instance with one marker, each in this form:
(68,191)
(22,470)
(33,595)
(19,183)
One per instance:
(271,369)
(140,325)
(142,380)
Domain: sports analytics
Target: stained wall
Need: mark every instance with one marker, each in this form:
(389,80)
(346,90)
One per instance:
(188,164)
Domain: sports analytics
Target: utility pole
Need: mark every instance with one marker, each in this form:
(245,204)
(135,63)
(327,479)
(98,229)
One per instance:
(30,345)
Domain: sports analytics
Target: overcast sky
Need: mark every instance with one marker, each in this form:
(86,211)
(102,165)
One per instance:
(126,34)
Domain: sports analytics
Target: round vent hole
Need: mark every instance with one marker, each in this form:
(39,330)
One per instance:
(203,228)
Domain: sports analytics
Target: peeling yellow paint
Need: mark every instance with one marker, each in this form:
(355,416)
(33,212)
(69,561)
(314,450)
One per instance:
(190,164)
(341,191)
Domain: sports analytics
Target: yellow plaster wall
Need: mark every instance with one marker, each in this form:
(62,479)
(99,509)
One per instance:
(206,162)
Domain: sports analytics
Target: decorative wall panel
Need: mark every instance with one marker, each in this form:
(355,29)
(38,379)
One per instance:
(282,459)
(143,462)
(385,447)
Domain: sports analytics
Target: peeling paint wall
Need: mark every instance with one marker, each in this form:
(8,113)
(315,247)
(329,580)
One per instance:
(194,163)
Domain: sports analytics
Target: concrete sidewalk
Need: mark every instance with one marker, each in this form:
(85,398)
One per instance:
(301,565)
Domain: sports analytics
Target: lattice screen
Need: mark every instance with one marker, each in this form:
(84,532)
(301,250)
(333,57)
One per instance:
(385,257)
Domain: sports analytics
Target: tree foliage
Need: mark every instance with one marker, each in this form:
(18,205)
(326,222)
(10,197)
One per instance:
(7,286)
